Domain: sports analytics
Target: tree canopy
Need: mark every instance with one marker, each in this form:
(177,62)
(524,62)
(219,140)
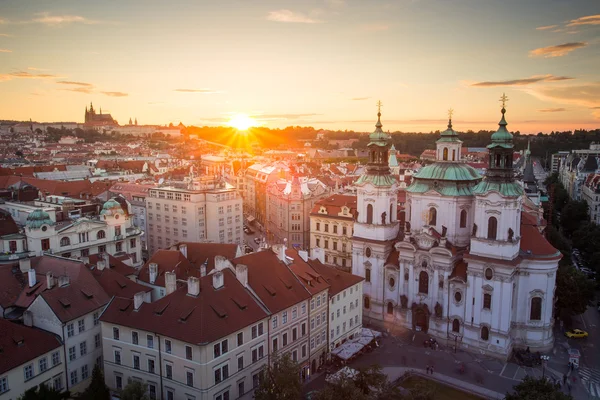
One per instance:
(537,389)
(135,390)
(574,291)
(97,390)
(43,392)
(280,381)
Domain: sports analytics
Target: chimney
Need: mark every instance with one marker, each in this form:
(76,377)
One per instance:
(49,280)
(218,279)
(106,259)
(279,250)
(63,280)
(100,265)
(138,299)
(183,249)
(28,318)
(318,253)
(170,282)
(31,276)
(203,269)
(241,273)
(193,286)
(85,260)
(153,267)
(24,265)
(303,255)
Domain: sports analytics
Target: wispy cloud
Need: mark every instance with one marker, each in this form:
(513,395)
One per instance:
(75,83)
(556,51)
(282,116)
(25,75)
(49,19)
(360,98)
(5,34)
(36,69)
(291,16)
(522,81)
(374,27)
(115,94)
(552,110)
(336,3)
(205,91)
(587,20)
(547,27)
(80,89)
(583,95)
(5,51)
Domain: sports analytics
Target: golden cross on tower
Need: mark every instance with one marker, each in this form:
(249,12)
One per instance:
(379,104)
(450,112)
(503,99)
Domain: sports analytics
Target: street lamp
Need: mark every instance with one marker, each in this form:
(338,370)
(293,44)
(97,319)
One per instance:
(544,360)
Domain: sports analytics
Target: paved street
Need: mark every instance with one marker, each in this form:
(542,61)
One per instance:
(401,350)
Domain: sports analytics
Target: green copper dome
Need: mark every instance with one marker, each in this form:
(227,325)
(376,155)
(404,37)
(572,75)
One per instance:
(508,189)
(38,218)
(449,135)
(110,207)
(378,137)
(502,137)
(448,172)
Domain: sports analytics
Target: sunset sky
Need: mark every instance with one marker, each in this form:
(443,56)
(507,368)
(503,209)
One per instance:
(323,63)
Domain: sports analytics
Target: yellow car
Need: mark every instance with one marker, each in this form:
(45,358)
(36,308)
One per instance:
(576,333)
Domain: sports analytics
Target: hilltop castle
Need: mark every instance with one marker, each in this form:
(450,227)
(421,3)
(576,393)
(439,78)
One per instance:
(97,120)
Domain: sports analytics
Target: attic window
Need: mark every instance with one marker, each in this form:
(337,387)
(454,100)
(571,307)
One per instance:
(160,310)
(124,307)
(122,285)
(270,290)
(219,311)
(65,302)
(186,314)
(18,340)
(239,303)
(87,293)
(287,284)
(33,289)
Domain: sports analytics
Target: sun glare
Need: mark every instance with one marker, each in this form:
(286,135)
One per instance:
(241,122)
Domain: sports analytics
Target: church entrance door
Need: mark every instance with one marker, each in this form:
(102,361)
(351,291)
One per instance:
(420,317)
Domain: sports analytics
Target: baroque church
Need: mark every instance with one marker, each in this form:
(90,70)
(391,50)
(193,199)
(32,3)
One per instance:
(471,266)
(93,119)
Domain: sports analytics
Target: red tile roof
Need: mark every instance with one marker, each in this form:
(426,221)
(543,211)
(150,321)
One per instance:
(12,282)
(20,344)
(334,204)
(115,284)
(272,281)
(168,261)
(459,271)
(393,258)
(7,224)
(198,253)
(115,264)
(213,314)
(535,245)
(337,280)
(308,276)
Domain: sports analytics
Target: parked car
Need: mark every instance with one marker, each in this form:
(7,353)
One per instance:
(590,274)
(576,333)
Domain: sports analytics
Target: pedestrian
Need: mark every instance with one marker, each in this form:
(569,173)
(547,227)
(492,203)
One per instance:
(572,366)
(431,370)
(427,369)
(564,378)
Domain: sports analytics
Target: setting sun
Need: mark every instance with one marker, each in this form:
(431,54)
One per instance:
(241,122)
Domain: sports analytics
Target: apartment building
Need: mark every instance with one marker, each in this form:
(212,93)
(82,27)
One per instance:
(206,210)
(590,193)
(136,195)
(30,357)
(206,339)
(287,301)
(66,300)
(257,178)
(289,204)
(331,229)
(345,302)
(112,232)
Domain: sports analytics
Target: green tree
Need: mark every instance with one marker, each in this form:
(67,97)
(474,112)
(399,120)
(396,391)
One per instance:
(369,384)
(135,390)
(43,392)
(97,390)
(573,215)
(574,292)
(537,389)
(280,381)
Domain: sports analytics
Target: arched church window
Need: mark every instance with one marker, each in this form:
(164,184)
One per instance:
(463,219)
(391,215)
(390,308)
(456,325)
(445,154)
(536,309)
(369,213)
(367,302)
(508,161)
(492,228)
(367,275)
(424,282)
(454,155)
(101,234)
(432,216)
(368,252)
(498,158)
(485,333)
(392,282)
(65,241)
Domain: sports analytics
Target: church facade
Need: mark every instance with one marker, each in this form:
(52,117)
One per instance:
(98,120)
(472,268)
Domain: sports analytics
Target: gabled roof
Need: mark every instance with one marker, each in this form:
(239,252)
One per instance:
(202,319)
(115,284)
(338,280)
(199,253)
(272,281)
(12,282)
(168,261)
(114,264)
(20,344)
(334,204)
(308,276)
(7,224)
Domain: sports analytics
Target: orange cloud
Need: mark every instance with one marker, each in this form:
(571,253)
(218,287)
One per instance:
(25,75)
(205,91)
(547,27)
(587,20)
(557,51)
(115,94)
(290,16)
(523,81)
(5,51)
(75,83)
(552,110)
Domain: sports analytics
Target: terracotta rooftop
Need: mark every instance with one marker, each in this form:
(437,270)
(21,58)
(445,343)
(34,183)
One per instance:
(12,282)
(338,280)
(168,261)
(334,204)
(308,276)
(272,280)
(115,284)
(459,271)
(114,264)
(201,319)
(7,224)
(20,344)
(198,253)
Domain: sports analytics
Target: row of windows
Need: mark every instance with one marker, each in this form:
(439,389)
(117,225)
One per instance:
(351,323)
(284,315)
(334,228)
(29,370)
(492,226)
(334,244)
